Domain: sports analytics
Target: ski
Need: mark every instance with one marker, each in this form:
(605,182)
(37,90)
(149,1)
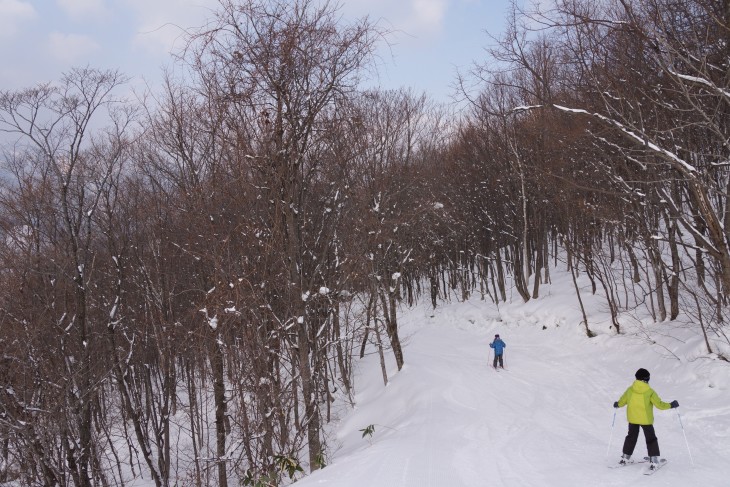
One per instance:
(651,469)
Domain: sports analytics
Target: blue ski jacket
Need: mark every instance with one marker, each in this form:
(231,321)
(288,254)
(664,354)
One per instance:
(498,345)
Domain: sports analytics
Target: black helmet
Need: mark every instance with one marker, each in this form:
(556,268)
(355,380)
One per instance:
(642,374)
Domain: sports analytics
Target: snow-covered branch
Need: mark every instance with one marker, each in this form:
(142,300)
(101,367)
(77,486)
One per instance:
(702,81)
(679,163)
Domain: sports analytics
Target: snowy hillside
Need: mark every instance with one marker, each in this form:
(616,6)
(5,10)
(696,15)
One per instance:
(449,419)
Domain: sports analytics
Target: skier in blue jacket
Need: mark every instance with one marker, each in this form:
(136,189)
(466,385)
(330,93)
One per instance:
(498,345)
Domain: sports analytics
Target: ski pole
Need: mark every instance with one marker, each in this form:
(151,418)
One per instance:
(691,460)
(610,439)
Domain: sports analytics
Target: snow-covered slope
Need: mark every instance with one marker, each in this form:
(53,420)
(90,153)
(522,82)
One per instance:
(449,419)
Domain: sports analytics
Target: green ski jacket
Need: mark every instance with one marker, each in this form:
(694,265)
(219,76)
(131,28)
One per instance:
(641,400)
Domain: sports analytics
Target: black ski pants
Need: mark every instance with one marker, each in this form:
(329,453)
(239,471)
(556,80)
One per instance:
(652,443)
(501,362)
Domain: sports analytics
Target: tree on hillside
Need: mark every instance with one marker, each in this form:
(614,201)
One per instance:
(671,115)
(60,174)
(279,70)
(647,85)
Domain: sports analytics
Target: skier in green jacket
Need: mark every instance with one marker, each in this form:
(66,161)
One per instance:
(641,400)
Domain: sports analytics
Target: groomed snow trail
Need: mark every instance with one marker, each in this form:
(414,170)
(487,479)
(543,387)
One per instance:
(449,419)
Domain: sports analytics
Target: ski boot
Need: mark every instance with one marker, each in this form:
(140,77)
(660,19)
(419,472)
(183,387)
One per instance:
(625,460)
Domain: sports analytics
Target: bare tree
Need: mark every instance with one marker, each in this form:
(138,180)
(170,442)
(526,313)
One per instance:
(52,126)
(280,69)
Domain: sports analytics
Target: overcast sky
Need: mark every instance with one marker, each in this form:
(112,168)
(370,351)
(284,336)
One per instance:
(39,39)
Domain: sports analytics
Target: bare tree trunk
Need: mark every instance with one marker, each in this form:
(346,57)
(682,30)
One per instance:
(500,276)
(656,263)
(219,397)
(391,325)
(341,361)
(580,302)
(194,412)
(434,281)
(378,337)
(123,377)
(311,412)
(635,276)
(368,320)
(519,277)
(673,280)
(538,268)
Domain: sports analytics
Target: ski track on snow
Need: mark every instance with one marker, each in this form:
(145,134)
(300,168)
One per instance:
(449,419)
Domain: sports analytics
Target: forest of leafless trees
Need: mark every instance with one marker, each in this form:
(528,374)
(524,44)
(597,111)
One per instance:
(185,281)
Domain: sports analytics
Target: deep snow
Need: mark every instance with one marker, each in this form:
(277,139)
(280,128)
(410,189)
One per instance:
(449,419)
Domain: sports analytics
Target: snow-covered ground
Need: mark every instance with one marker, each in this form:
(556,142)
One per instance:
(449,419)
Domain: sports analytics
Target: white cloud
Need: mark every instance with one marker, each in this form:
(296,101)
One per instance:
(412,17)
(12,14)
(71,48)
(160,25)
(427,14)
(82,9)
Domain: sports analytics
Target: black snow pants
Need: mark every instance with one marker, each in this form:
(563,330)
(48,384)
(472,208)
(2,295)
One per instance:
(652,443)
(498,358)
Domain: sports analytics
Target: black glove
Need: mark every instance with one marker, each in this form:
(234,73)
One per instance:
(674,404)
(615,404)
